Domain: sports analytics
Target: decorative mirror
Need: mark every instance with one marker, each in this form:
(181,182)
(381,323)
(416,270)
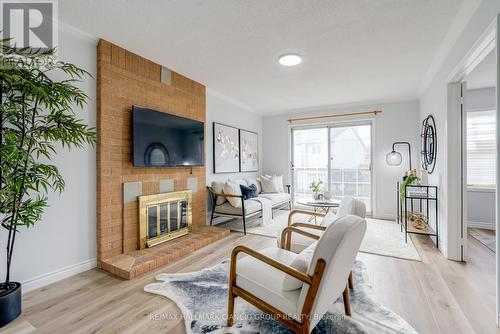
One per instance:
(429,144)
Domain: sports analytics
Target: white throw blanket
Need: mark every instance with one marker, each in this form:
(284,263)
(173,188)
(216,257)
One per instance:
(267,207)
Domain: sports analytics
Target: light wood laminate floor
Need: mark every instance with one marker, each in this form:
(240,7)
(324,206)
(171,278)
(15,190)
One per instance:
(435,296)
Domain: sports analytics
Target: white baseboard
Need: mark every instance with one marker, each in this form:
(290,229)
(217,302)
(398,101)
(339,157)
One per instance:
(487,226)
(46,279)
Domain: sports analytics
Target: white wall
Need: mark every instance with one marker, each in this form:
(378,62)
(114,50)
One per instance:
(434,101)
(399,121)
(481,202)
(64,241)
(225,111)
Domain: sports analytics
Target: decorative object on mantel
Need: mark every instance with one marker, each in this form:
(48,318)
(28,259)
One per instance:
(202,298)
(226,149)
(429,144)
(38,119)
(249,151)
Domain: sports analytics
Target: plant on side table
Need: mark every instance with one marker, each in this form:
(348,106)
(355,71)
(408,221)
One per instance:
(316,187)
(37,117)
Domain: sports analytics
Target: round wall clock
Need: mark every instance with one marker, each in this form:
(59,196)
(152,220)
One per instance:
(429,144)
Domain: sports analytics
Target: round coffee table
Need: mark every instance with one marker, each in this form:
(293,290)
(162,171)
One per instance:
(322,206)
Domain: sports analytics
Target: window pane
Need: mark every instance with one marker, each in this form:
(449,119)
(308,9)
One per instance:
(481,148)
(310,160)
(351,154)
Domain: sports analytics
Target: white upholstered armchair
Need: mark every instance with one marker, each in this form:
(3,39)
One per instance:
(348,206)
(298,288)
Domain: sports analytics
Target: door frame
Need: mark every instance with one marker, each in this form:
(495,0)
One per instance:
(457,234)
(339,123)
(456,187)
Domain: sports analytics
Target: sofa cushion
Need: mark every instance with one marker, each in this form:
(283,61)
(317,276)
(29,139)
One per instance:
(248,192)
(256,181)
(276,198)
(251,206)
(218,187)
(234,189)
(266,282)
(239,181)
(268,185)
(278,180)
(301,263)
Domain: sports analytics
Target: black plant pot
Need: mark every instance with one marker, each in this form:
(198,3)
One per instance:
(10,303)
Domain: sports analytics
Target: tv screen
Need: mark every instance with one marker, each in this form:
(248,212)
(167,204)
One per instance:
(164,140)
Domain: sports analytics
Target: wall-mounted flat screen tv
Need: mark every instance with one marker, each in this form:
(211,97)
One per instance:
(165,140)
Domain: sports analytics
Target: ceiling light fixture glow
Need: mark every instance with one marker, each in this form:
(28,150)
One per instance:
(290,59)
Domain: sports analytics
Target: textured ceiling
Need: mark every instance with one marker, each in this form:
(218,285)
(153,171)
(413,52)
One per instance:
(354,50)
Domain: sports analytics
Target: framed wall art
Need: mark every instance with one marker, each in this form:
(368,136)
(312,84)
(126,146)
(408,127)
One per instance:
(226,149)
(249,151)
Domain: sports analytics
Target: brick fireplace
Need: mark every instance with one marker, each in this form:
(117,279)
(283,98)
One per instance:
(125,79)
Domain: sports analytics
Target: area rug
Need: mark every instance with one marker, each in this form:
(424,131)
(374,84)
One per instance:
(202,298)
(383,237)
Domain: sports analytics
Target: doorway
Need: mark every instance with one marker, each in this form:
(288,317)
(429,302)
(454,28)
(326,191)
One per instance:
(467,149)
(338,156)
(480,151)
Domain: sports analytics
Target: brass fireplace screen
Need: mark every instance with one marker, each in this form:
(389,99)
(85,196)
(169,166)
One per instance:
(164,217)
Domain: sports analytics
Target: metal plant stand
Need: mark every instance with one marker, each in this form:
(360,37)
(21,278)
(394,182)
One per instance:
(425,203)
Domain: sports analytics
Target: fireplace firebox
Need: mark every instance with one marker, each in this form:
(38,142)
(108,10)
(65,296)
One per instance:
(164,217)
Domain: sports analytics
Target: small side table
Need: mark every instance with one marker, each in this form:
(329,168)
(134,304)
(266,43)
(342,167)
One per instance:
(426,203)
(321,206)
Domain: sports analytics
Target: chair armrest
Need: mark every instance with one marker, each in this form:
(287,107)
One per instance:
(311,226)
(267,260)
(307,212)
(286,236)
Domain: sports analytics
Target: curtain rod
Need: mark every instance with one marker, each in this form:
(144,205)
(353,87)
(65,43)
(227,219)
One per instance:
(374,112)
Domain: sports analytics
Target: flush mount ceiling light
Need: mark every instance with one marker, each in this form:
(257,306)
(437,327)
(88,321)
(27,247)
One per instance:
(290,59)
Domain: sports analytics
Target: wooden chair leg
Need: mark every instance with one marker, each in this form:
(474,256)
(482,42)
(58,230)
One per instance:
(351,283)
(347,302)
(230,303)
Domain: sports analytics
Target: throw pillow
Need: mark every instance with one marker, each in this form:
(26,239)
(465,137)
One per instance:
(234,189)
(248,192)
(218,187)
(268,185)
(255,181)
(278,180)
(300,263)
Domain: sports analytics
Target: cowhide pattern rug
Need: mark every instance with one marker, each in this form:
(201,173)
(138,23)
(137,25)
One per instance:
(202,299)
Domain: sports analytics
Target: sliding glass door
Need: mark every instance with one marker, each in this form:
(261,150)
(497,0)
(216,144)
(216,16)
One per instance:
(339,156)
(309,161)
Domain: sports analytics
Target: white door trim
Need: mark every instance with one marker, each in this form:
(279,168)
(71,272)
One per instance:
(485,44)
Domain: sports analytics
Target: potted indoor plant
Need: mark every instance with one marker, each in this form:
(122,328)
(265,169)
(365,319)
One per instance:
(37,117)
(316,187)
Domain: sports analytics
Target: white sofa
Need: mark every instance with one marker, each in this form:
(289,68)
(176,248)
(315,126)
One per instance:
(249,208)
